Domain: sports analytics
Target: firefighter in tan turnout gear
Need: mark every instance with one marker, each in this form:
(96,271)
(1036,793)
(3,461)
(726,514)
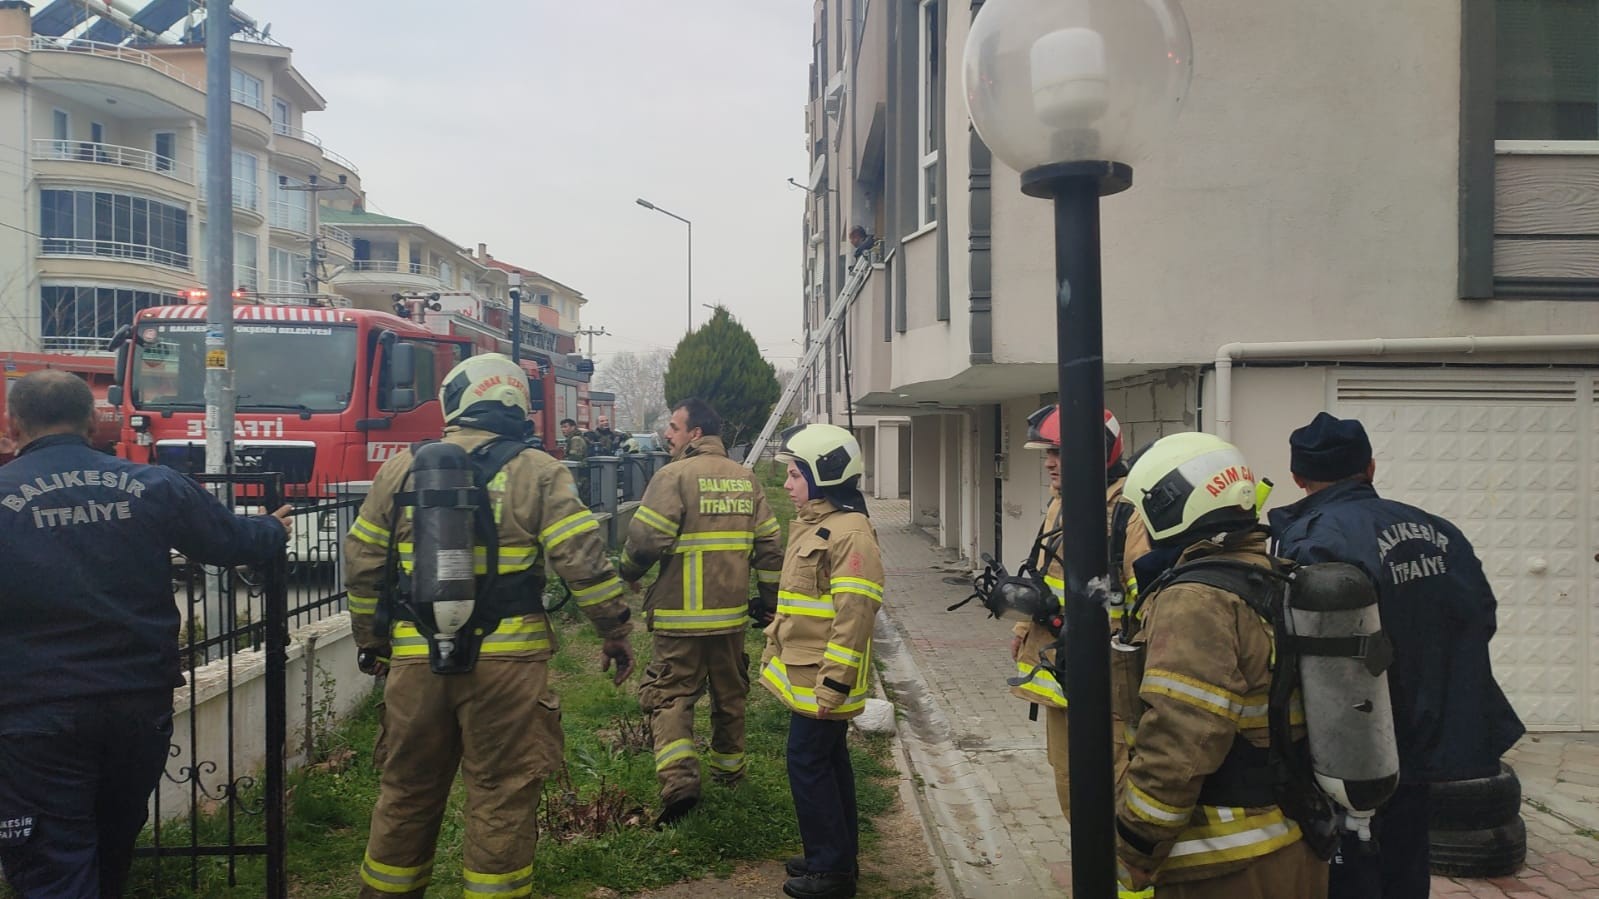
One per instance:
(497,721)
(707,522)
(1032,639)
(819,648)
(1197,813)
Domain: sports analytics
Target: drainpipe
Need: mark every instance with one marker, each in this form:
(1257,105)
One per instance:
(1374,346)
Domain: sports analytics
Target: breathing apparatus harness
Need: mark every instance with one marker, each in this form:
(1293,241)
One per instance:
(494,596)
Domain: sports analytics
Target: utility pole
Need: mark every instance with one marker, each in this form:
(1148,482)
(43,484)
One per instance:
(313,269)
(219,399)
(515,279)
(592,333)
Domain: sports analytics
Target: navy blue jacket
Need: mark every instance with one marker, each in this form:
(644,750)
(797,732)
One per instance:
(1452,720)
(86,602)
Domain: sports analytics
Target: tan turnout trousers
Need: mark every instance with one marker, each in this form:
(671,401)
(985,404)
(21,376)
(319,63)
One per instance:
(681,672)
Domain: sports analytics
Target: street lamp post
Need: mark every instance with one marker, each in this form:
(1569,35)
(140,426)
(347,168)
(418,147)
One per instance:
(1070,95)
(648,205)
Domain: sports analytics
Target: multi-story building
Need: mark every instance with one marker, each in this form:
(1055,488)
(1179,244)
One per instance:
(1382,211)
(103,204)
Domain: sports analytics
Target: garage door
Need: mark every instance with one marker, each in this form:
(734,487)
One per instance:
(1509,457)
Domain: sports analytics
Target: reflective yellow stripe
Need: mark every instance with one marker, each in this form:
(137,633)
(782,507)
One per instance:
(362,605)
(516,634)
(367,532)
(1123,892)
(656,520)
(1056,586)
(726,761)
(693,581)
(1256,710)
(791,603)
(674,752)
(767,528)
(701,619)
(1244,838)
(858,585)
(514,883)
(766,576)
(567,528)
(715,541)
(1043,688)
(610,588)
(394,879)
(1198,694)
(843,655)
(1153,810)
(803,699)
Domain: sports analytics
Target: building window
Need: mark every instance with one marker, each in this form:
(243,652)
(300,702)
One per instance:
(930,62)
(166,150)
(74,317)
(247,90)
(120,226)
(280,116)
(245,260)
(61,125)
(291,209)
(286,272)
(246,188)
(544,299)
(1548,70)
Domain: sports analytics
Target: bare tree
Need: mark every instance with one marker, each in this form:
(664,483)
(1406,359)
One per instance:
(638,380)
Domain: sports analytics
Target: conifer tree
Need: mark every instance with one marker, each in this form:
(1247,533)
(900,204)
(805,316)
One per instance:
(721,364)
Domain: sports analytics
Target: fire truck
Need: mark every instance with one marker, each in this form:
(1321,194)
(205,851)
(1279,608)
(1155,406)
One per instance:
(323,395)
(95,368)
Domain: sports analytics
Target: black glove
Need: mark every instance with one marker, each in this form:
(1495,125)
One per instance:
(370,661)
(762,615)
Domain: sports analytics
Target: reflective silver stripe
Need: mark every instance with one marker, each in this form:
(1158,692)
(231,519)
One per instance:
(1153,810)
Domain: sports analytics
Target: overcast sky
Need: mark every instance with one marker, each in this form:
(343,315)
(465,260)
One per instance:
(532,125)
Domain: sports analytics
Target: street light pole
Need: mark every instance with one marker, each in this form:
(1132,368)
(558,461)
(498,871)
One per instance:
(1068,94)
(651,206)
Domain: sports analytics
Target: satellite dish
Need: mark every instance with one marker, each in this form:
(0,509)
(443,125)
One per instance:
(266,32)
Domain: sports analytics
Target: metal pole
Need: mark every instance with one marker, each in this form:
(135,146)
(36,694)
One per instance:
(690,274)
(1081,377)
(219,400)
(516,317)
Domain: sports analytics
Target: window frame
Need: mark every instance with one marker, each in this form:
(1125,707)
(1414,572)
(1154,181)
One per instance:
(928,68)
(285,126)
(164,163)
(241,77)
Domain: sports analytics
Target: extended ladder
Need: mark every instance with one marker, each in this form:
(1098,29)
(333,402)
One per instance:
(852,289)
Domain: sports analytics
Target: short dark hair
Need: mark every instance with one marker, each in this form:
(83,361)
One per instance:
(856,230)
(700,415)
(569,421)
(50,399)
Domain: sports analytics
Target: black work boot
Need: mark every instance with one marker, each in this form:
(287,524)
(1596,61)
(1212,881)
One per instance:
(794,866)
(820,886)
(676,810)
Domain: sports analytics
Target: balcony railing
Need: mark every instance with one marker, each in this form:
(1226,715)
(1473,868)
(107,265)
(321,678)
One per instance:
(335,158)
(111,154)
(290,216)
(394,267)
(285,287)
(287,130)
(246,195)
(113,249)
(335,233)
(244,276)
(104,51)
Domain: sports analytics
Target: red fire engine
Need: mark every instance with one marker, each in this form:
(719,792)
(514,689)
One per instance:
(96,368)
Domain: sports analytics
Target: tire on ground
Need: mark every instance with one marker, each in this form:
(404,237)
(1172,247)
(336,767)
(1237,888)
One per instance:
(1475,804)
(1490,852)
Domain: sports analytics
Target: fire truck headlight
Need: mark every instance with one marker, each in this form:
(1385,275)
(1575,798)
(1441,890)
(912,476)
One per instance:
(139,422)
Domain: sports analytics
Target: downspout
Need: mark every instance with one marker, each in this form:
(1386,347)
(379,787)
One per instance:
(1227,354)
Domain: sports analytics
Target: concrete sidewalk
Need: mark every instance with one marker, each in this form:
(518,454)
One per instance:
(987,790)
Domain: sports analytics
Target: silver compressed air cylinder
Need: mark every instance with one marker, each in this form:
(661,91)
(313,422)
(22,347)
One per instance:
(1344,684)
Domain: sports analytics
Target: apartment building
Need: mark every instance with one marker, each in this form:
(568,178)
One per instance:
(103,205)
(1384,211)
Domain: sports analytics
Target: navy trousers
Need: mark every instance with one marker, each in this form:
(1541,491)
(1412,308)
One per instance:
(75,783)
(823,784)
(1397,869)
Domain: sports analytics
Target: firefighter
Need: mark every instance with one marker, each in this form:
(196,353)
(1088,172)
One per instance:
(89,647)
(1451,718)
(819,648)
(576,449)
(1197,812)
(706,520)
(1032,640)
(603,441)
(499,723)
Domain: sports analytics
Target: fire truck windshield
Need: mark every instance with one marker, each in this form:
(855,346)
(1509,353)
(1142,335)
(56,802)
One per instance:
(278,365)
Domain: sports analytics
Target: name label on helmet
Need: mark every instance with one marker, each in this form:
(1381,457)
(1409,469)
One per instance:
(486,384)
(1228,478)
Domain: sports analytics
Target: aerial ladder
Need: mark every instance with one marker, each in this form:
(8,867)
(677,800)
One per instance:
(846,298)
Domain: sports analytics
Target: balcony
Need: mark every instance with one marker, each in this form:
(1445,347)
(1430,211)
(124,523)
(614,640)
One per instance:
(77,66)
(290,217)
(245,277)
(381,277)
(77,151)
(338,235)
(113,249)
(296,143)
(246,196)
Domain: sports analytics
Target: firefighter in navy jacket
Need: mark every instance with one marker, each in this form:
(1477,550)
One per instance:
(1451,719)
(89,647)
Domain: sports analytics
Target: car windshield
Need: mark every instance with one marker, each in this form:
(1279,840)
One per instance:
(278,365)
